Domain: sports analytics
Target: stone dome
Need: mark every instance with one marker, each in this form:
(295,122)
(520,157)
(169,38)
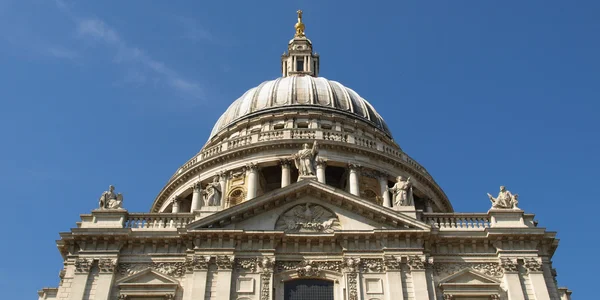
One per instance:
(297,91)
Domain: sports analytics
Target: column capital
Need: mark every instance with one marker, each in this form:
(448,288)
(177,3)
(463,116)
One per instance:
(321,162)
(533,264)
(197,187)
(107,265)
(251,167)
(285,162)
(509,264)
(415,262)
(354,167)
(83,265)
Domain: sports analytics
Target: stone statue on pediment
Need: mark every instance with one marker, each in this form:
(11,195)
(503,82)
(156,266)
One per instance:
(403,192)
(111,200)
(505,199)
(305,160)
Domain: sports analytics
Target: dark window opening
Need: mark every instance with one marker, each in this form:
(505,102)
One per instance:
(336,177)
(272,178)
(308,289)
(279,126)
(302,125)
(299,65)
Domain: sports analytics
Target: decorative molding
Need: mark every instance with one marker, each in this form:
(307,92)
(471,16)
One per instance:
(533,264)
(415,262)
(197,262)
(246,264)
(266,264)
(83,265)
(107,265)
(392,263)
(351,264)
(309,268)
(225,262)
(371,265)
(509,265)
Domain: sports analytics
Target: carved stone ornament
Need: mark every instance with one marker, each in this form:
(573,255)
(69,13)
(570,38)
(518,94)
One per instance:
(509,264)
(225,262)
(197,262)
(495,297)
(415,262)
(392,262)
(533,264)
(107,265)
(309,268)
(352,286)
(175,269)
(490,269)
(448,297)
(265,286)
(371,265)
(308,218)
(351,264)
(246,264)
(266,264)
(83,265)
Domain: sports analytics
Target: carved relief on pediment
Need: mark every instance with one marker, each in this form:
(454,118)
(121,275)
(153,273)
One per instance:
(308,217)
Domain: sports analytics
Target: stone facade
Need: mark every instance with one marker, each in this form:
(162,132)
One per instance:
(238,221)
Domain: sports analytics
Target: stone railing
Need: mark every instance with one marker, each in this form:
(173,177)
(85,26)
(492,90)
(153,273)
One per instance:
(158,220)
(457,221)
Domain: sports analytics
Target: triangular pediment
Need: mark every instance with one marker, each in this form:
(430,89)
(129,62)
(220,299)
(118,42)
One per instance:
(469,277)
(306,197)
(147,276)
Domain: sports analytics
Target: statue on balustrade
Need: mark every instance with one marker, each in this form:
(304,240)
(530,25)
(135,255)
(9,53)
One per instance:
(305,160)
(212,193)
(505,199)
(110,200)
(403,192)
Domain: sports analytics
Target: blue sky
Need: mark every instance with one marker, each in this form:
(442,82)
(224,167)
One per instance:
(482,93)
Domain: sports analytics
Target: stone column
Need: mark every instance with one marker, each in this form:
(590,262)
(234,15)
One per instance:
(196,196)
(511,278)
(419,277)
(536,277)
(393,267)
(353,180)
(351,274)
(223,184)
(106,277)
(321,165)
(176,202)
(225,266)
(285,172)
(383,183)
(252,178)
(266,265)
(82,271)
(428,207)
(196,287)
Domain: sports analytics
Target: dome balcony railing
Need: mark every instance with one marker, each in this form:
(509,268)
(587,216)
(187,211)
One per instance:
(360,140)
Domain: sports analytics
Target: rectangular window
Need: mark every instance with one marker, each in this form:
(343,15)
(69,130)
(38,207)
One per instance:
(300,65)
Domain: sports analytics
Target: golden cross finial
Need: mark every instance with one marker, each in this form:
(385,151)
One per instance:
(299,26)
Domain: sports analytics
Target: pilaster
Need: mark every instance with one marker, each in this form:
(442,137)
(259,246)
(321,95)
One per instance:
(536,277)
(197,273)
(417,269)
(393,266)
(80,277)
(511,278)
(106,277)
(225,268)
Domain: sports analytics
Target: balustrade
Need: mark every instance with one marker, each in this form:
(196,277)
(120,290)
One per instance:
(158,220)
(457,221)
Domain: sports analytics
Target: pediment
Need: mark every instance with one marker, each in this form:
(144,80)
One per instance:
(336,209)
(148,276)
(469,277)
(148,283)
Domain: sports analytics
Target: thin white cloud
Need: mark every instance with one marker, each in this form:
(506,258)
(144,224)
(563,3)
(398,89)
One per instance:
(192,30)
(62,52)
(99,31)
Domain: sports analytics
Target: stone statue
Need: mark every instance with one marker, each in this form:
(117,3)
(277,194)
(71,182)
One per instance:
(505,199)
(305,160)
(403,192)
(213,193)
(110,200)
